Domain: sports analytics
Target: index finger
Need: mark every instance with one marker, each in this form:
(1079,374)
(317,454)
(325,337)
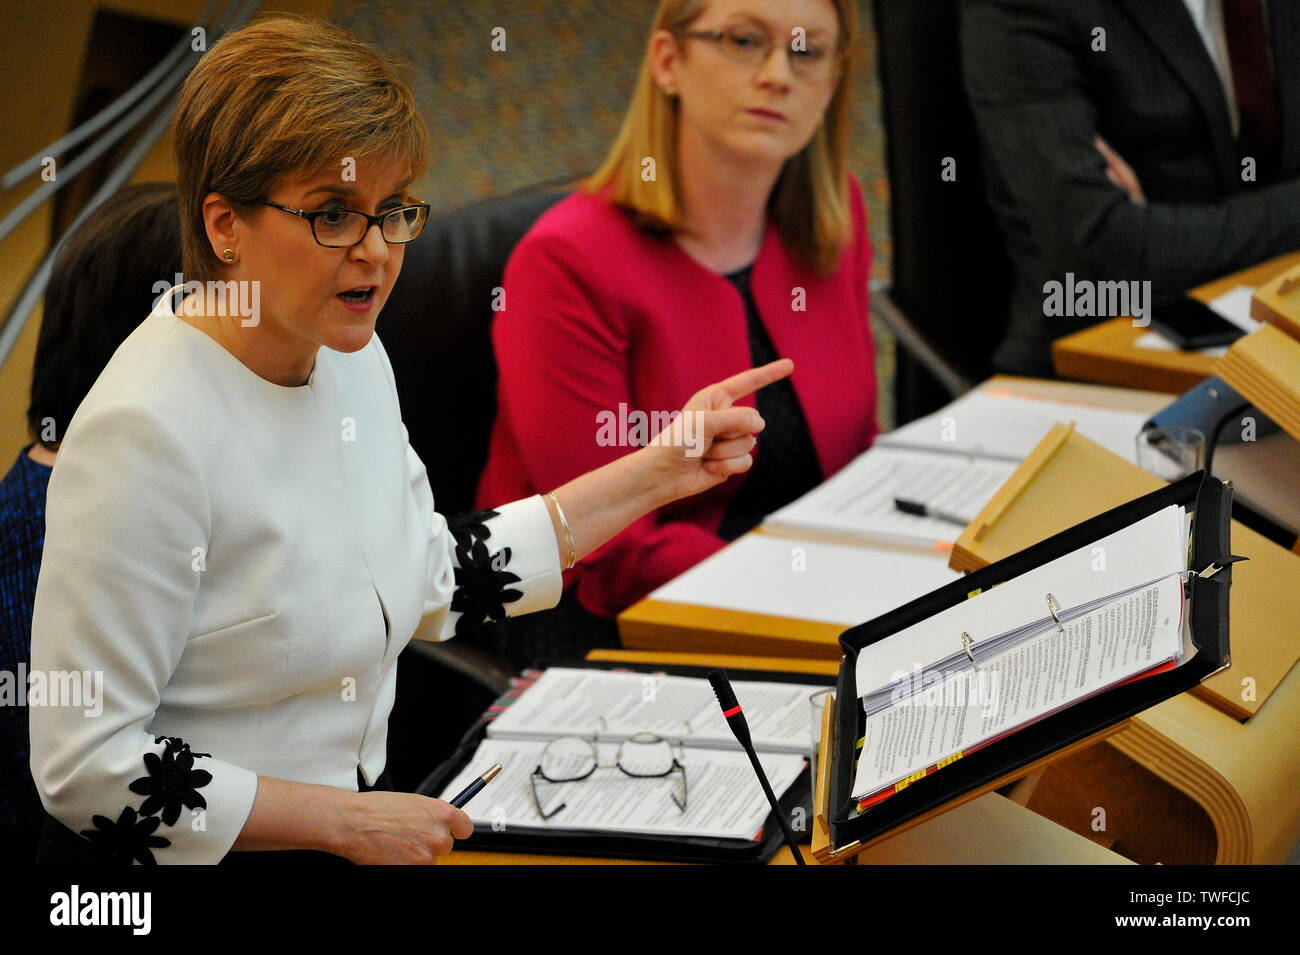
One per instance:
(747,382)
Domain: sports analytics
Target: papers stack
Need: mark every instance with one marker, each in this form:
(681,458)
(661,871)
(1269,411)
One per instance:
(953,460)
(724,797)
(990,665)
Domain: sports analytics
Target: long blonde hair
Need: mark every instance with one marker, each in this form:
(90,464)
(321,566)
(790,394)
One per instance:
(810,202)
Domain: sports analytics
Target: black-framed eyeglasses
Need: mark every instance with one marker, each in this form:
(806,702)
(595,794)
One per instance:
(344,228)
(644,755)
(750,46)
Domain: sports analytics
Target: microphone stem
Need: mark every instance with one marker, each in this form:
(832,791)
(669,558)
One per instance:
(776,807)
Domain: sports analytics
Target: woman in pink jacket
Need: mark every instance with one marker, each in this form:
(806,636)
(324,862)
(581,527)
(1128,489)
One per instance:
(723,230)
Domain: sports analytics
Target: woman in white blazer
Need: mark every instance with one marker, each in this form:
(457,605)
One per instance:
(240,540)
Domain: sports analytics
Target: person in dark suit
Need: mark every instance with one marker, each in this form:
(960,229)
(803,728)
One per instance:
(1133,140)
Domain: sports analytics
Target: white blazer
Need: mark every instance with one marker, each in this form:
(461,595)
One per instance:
(243,562)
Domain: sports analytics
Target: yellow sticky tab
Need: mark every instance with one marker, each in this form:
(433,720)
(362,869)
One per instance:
(974,593)
(951,759)
(904,783)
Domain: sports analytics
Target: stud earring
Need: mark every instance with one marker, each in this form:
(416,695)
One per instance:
(228,255)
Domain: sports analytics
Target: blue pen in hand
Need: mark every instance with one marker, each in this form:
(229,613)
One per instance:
(470,791)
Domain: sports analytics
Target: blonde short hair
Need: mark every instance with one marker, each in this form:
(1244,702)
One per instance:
(280,96)
(810,203)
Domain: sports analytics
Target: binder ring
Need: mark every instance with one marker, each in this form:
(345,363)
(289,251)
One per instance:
(1051,608)
(965,645)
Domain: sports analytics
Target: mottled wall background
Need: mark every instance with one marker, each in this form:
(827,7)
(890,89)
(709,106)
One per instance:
(549,105)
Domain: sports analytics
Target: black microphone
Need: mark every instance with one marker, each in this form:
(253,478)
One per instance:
(740,728)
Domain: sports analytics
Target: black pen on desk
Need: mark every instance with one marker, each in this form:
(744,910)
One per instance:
(470,791)
(920,510)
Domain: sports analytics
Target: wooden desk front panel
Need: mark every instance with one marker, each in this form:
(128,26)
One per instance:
(1108,352)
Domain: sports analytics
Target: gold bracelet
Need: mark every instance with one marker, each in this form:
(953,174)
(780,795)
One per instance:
(568,534)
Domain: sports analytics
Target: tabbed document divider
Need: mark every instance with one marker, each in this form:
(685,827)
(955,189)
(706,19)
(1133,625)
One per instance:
(978,771)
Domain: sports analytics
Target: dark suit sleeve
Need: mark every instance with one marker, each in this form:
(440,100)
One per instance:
(1023,70)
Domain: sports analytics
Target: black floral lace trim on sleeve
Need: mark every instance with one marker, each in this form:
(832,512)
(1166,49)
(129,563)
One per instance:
(482,581)
(172,783)
(128,839)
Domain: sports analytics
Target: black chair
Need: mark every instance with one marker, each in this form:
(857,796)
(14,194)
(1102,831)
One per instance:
(949,302)
(436,328)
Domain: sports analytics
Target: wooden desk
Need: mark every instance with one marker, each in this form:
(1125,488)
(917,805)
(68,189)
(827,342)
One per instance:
(1184,783)
(1107,352)
(989,830)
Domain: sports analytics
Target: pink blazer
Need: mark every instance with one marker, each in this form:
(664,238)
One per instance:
(601,318)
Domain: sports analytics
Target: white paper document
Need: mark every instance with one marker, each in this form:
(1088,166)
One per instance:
(811,580)
(724,799)
(1046,673)
(859,500)
(572,701)
(995,423)
(1150,549)
(1158,342)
